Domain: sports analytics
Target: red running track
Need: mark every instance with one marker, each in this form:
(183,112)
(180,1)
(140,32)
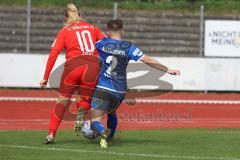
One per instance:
(31,115)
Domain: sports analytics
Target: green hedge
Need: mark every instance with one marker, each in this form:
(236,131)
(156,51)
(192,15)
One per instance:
(218,6)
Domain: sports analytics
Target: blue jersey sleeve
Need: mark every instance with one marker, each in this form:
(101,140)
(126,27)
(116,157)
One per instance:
(135,53)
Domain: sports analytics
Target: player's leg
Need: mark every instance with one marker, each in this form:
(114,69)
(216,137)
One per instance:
(112,115)
(103,101)
(88,77)
(87,86)
(83,106)
(67,87)
(56,118)
(80,116)
(98,128)
(112,125)
(100,103)
(96,119)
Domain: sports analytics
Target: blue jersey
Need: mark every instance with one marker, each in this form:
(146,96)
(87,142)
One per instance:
(114,56)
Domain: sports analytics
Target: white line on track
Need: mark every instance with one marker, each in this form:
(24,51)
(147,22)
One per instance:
(223,132)
(5,131)
(44,99)
(185,101)
(119,153)
(176,101)
(24,120)
(157,121)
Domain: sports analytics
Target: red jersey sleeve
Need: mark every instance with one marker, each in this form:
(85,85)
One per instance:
(57,47)
(99,34)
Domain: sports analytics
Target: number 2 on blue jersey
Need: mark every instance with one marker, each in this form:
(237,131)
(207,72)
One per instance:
(113,63)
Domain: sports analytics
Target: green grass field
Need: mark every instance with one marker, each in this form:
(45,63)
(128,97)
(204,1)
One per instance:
(177,144)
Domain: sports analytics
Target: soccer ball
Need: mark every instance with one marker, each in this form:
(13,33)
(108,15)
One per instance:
(86,130)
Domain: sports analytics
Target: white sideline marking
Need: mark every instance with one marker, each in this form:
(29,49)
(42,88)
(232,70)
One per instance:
(118,153)
(46,99)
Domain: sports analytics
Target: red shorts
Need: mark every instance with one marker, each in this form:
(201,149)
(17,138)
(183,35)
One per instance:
(80,74)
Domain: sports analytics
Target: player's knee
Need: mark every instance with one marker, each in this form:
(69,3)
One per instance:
(111,112)
(63,100)
(96,118)
(78,99)
(97,114)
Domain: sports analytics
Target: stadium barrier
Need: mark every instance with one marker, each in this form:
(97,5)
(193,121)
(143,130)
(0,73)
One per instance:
(198,74)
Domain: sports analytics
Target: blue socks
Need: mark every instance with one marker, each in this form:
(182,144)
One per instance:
(97,128)
(112,125)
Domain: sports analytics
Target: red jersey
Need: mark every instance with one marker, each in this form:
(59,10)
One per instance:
(77,39)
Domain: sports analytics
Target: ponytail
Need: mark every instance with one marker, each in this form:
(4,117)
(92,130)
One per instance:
(71,14)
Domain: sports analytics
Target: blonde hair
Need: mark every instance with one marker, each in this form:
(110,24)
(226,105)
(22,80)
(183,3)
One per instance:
(72,14)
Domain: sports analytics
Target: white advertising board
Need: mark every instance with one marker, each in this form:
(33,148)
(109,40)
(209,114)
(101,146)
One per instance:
(222,38)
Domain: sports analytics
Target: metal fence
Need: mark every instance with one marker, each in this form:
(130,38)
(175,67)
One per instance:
(115,14)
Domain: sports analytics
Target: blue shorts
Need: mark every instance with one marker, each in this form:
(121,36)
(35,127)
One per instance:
(106,100)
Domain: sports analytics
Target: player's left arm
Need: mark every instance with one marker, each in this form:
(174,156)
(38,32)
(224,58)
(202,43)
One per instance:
(155,64)
(136,54)
(57,47)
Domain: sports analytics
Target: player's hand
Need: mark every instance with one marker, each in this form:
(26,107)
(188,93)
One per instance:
(43,83)
(173,72)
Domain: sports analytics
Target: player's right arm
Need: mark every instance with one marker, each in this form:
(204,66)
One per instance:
(57,47)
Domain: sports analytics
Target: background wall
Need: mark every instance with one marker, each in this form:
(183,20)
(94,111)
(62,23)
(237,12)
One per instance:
(220,74)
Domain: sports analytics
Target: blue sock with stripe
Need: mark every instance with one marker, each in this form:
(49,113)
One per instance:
(97,128)
(112,125)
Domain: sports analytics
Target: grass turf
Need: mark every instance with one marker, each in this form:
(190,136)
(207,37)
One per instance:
(160,144)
